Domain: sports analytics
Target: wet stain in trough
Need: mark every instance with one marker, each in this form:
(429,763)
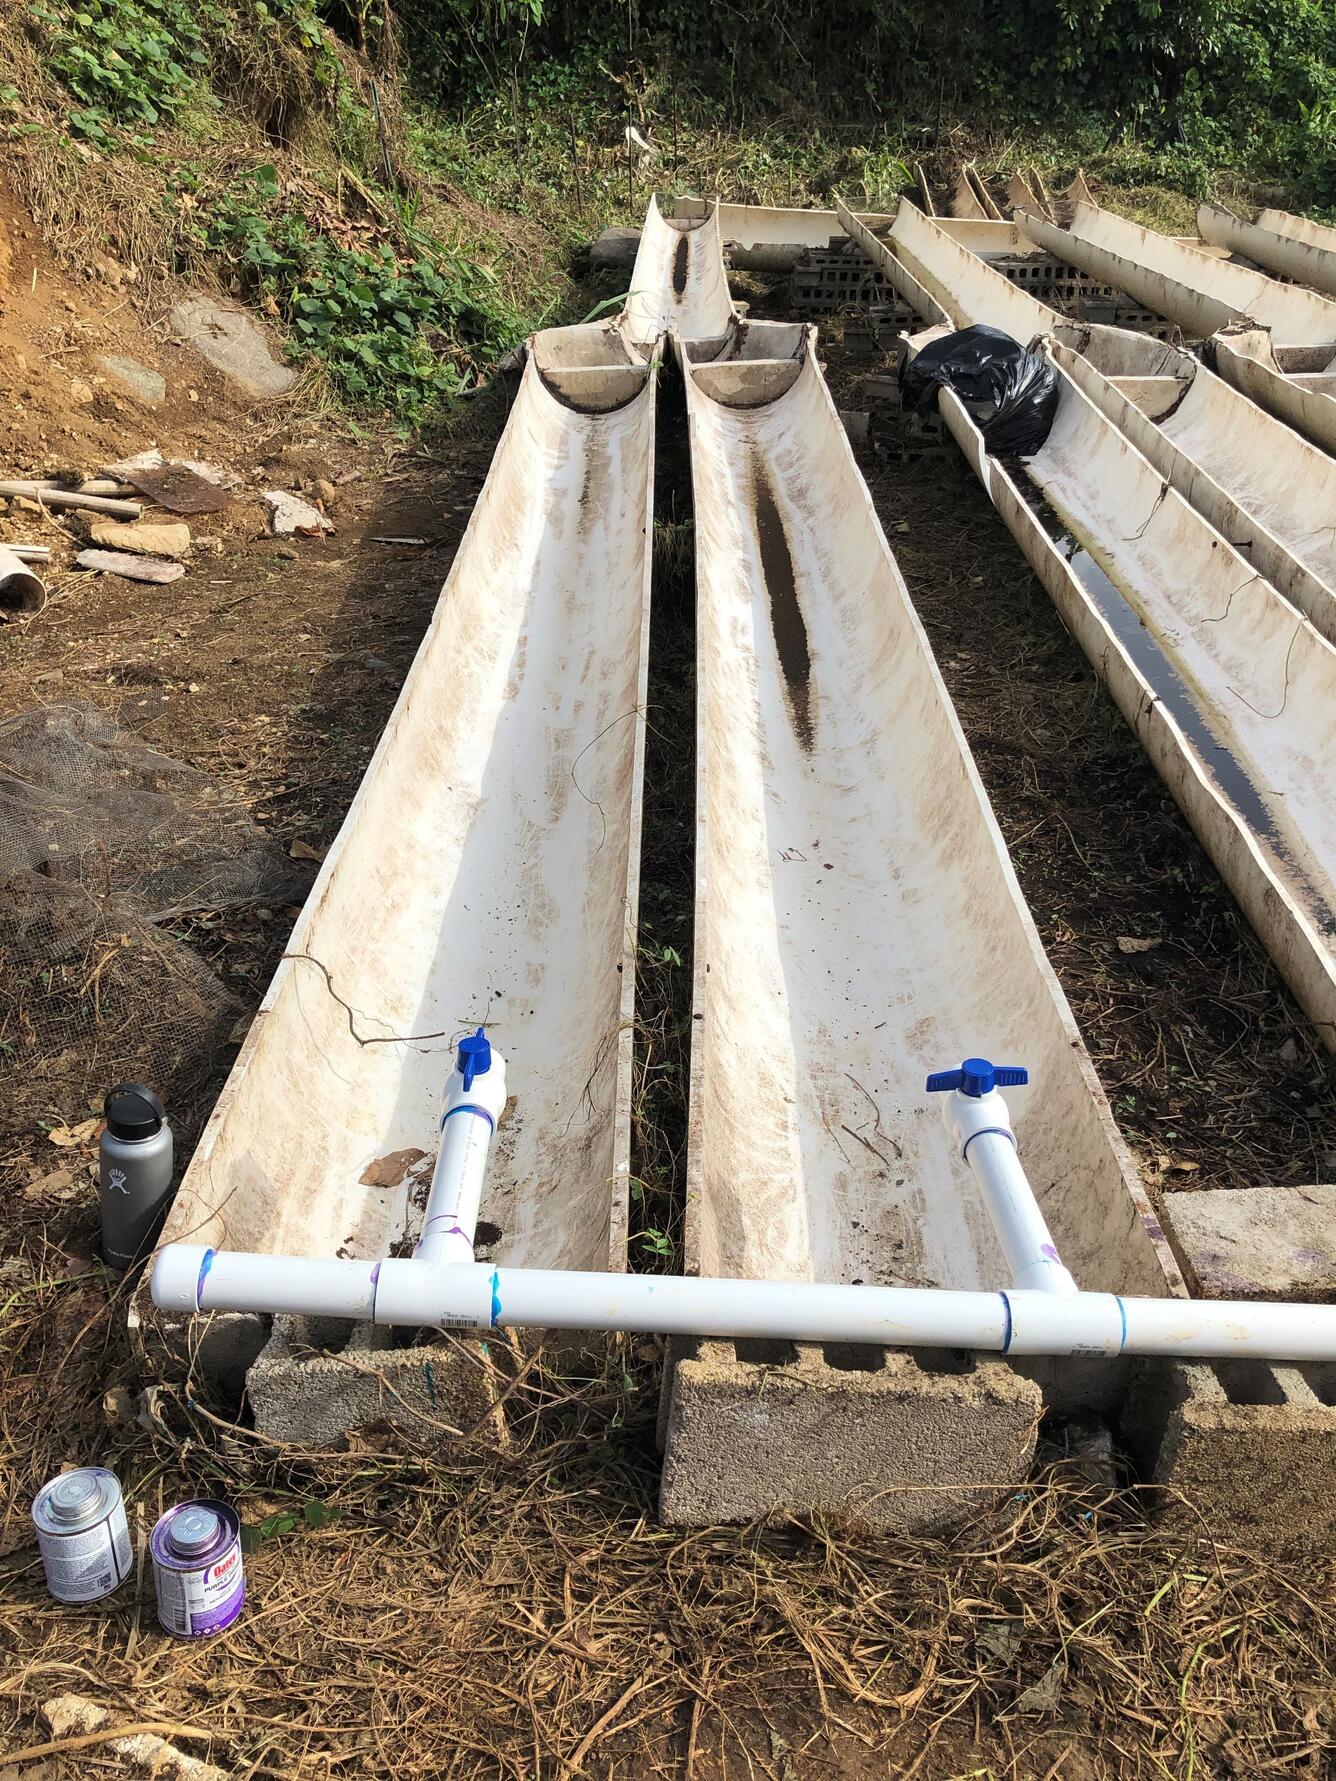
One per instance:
(786,615)
(680,256)
(1186,707)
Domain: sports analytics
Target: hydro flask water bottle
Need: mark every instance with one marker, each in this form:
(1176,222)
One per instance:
(135,1156)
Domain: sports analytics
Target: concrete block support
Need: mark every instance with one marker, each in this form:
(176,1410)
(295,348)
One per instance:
(317,1379)
(1262,1243)
(1246,1451)
(907,1441)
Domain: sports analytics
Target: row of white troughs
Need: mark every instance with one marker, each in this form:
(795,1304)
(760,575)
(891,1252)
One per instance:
(858,923)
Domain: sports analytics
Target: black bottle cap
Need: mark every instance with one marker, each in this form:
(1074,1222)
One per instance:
(133,1111)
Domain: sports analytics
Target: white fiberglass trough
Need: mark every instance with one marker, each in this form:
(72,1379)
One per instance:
(486,871)
(1261,485)
(1290,246)
(1275,342)
(1229,689)
(678,280)
(1192,287)
(857,918)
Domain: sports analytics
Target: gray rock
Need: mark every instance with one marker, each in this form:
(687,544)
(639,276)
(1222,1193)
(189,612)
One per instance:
(233,343)
(615,249)
(147,386)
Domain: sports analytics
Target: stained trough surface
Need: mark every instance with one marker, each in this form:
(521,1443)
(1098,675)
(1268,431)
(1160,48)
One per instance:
(1194,288)
(1265,488)
(857,919)
(1289,246)
(1228,687)
(678,280)
(486,871)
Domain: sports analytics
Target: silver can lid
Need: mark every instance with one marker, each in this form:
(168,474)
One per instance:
(194,1530)
(75,1497)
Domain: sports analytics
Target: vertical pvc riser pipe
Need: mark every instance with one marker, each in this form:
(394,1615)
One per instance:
(475,1098)
(976,1116)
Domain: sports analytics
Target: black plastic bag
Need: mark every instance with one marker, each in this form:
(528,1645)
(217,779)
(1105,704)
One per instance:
(1011,393)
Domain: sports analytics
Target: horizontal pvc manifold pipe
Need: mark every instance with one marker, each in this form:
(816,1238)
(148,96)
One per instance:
(475,1296)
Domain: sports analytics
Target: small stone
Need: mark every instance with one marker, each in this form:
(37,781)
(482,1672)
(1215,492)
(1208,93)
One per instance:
(81,393)
(143,537)
(148,385)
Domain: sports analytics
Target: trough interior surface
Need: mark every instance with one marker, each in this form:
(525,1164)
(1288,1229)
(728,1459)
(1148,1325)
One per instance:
(1293,313)
(485,872)
(1248,681)
(858,923)
(678,280)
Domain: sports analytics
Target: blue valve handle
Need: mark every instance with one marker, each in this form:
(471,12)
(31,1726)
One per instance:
(475,1057)
(977,1077)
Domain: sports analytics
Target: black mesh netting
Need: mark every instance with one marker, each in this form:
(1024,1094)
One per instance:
(104,845)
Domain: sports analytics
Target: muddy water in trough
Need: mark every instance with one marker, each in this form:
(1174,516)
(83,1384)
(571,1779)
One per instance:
(1187,708)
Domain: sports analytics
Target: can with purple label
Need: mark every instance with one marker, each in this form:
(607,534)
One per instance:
(197,1572)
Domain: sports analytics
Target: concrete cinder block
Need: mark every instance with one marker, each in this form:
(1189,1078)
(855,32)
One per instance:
(1257,1242)
(1244,1450)
(895,1440)
(305,1397)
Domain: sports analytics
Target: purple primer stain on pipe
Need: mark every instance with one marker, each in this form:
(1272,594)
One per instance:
(1049,1253)
(197,1570)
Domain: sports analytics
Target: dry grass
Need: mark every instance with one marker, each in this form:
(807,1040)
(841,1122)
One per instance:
(476,1613)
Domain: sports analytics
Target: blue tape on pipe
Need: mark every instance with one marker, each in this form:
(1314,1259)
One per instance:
(1122,1313)
(496,1297)
(468,1107)
(204,1267)
(1006,1328)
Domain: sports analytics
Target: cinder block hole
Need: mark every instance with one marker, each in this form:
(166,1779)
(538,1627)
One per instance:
(944,1360)
(853,1357)
(1249,1382)
(765,1351)
(1320,1377)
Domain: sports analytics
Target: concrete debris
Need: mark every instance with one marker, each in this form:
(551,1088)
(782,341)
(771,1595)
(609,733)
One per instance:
(615,249)
(290,516)
(1267,1243)
(119,562)
(154,460)
(145,539)
(75,1716)
(146,385)
(233,343)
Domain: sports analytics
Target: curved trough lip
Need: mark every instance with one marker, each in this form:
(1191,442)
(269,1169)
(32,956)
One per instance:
(776,377)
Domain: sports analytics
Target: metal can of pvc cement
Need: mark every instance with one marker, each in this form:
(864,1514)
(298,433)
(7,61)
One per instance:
(197,1572)
(83,1534)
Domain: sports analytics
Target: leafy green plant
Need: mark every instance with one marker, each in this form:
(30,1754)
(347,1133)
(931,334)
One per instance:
(391,330)
(130,61)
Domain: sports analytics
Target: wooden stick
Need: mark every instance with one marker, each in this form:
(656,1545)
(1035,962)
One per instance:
(47,497)
(161,1728)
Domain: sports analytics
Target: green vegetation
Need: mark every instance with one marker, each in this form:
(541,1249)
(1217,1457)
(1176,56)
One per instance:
(408,191)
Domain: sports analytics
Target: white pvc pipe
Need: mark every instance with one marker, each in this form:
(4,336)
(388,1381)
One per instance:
(981,1126)
(475,1098)
(442,1286)
(476,1296)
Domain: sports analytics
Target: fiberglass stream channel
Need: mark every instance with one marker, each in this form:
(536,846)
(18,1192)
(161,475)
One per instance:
(486,870)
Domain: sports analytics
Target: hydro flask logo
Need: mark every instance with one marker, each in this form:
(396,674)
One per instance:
(116,1182)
